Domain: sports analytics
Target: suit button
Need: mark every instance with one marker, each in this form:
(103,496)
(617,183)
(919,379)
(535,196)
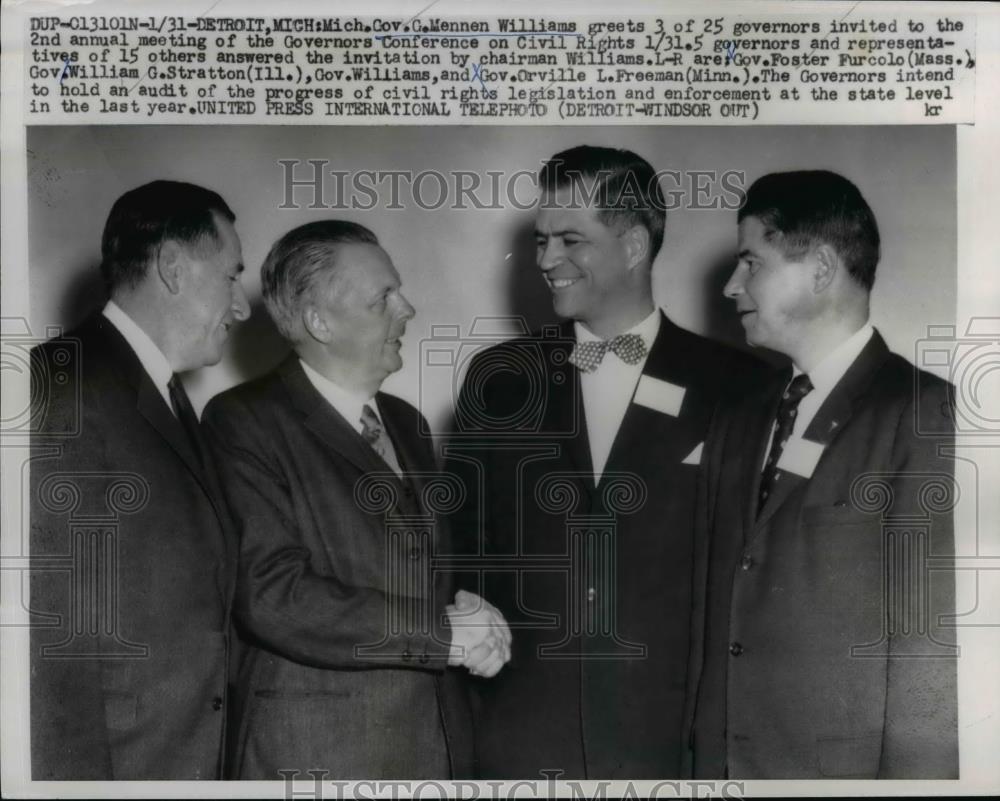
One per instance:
(735,649)
(217,703)
(591,593)
(414,554)
(746,562)
(424,659)
(407,656)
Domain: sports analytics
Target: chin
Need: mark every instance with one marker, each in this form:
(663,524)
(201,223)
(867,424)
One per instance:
(564,308)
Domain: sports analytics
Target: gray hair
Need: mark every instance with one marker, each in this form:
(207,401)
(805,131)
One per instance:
(296,263)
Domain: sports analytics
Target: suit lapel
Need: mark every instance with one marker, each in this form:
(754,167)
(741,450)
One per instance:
(154,409)
(407,446)
(149,401)
(840,405)
(641,425)
(831,418)
(564,404)
(326,422)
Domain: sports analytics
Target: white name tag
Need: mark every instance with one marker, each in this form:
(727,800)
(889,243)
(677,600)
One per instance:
(695,456)
(800,456)
(662,396)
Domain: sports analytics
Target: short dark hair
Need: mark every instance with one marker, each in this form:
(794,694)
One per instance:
(809,207)
(145,217)
(295,263)
(627,188)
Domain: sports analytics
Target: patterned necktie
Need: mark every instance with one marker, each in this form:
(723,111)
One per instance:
(374,435)
(182,408)
(785,422)
(588,355)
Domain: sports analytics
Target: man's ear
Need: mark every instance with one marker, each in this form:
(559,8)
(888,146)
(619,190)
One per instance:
(170,264)
(826,265)
(637,244)
(316,325)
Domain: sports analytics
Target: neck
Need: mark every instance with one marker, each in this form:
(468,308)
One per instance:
(147,313)
(823,341)
(346,376)
(623,318)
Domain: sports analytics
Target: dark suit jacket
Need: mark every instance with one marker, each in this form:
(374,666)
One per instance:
(595,581)
(335,591)
(820,649)
(131,579)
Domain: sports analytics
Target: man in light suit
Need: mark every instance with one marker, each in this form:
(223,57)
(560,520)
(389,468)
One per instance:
(131,540)
(350,624)
(578,448)
(822,648)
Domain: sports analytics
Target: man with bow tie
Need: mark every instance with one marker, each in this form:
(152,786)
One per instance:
(821,644)
(579,451)
(350,622)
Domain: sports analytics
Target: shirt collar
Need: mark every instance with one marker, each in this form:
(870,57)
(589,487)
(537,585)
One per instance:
(150,356)
(825,375)
(347,404)
(647,329)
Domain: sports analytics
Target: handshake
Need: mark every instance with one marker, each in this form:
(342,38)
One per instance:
(480,639)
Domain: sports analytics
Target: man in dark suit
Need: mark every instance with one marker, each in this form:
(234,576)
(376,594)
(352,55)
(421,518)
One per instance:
(348,619)
(579,466)
(821,646)
(130,536)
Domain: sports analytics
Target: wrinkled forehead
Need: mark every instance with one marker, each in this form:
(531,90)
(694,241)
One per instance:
(569,207)
(579,193)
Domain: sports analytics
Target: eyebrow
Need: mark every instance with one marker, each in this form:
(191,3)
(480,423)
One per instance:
(378,293)
(562,232)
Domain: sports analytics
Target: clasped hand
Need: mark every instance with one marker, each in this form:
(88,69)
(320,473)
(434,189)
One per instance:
(480,639)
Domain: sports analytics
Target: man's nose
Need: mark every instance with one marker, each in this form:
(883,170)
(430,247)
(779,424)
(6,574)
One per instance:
(734,286)
(549,255)
(241,305)
(406,310)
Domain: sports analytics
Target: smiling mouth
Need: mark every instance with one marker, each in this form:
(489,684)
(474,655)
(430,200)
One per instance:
(561,283)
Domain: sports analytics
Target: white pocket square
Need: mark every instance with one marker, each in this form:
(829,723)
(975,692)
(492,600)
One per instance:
(662,396)
(695,456)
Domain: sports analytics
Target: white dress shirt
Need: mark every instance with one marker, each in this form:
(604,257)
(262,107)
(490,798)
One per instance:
(150,357)
(608,390)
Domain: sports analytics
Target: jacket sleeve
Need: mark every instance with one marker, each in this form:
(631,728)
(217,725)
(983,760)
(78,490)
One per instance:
(920,737)
(281,600)
(69,737)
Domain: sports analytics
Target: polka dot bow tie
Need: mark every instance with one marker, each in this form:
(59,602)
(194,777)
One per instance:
(588,355)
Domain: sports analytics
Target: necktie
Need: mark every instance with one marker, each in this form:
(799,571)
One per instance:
(785,422)
(374,435)
(588,355)
(182,408)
